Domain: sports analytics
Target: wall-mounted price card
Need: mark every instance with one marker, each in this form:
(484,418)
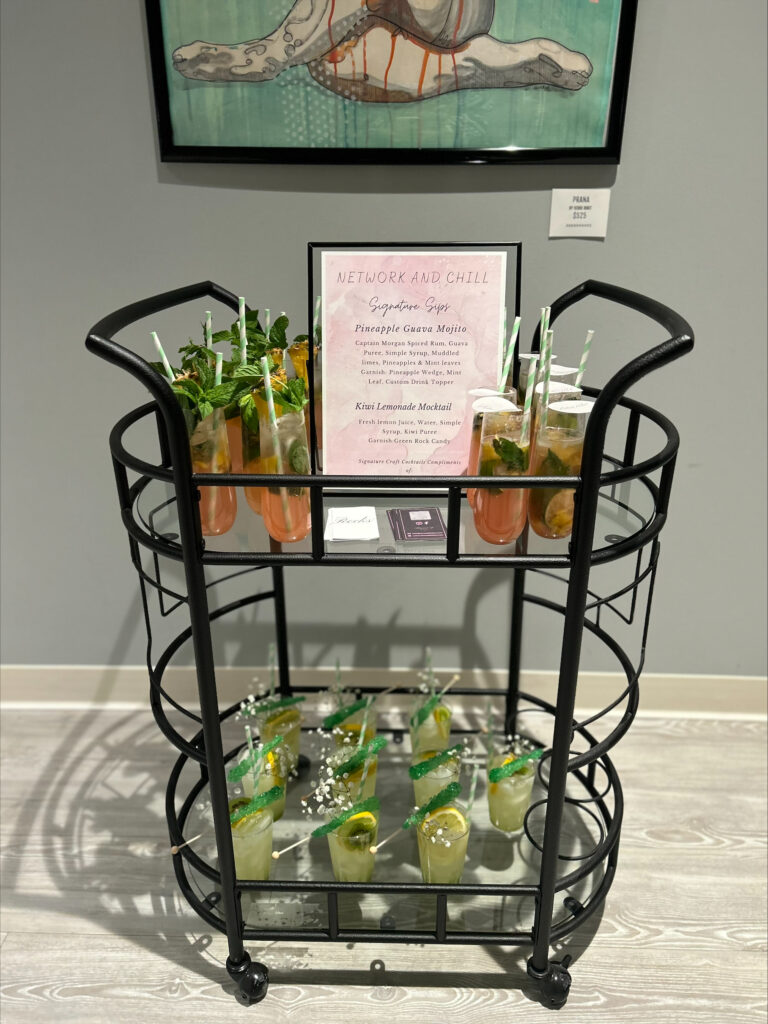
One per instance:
(406,334)
(579,213)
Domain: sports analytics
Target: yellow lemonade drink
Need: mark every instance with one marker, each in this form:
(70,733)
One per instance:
(430,725)
(509,798)
(252,842)
(558,451)
(349,846)
(285,722)
(435,780)
(500,513)
(274,768)
(359,784)
(299,356)
(442,838)
(347,733)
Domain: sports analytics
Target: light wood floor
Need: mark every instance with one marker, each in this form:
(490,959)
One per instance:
(93,930)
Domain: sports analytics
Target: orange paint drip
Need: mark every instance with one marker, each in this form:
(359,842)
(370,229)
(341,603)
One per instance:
(391,58)
(423,74)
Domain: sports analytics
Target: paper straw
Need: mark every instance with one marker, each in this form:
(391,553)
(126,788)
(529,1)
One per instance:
(164,357)
(543,325)
(267,321)
(584,357)
(525,429)
(208,329)
(255,765)
(545,392)
(364,726)
(472,789)
(219,361)
(243,337)
(271,670)
(316,320)
(510,353)
(275,435)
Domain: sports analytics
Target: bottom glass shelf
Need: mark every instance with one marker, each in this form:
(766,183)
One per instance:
(493,858)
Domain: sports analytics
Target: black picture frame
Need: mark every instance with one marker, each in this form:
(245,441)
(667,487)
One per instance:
(174,148)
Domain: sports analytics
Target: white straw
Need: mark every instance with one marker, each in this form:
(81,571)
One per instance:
(584,357)
(267,321)
(208,329)
(166,364)
(241,321)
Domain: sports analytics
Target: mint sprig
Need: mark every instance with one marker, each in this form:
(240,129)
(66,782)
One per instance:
(511,454)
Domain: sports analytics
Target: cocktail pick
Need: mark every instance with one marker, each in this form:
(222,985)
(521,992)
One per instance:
(584,358)
(164,357)
(277,854)
(241,324)
(275,435)
(175,849)
(208,329)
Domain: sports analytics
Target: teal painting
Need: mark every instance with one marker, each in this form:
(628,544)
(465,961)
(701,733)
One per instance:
(302,79)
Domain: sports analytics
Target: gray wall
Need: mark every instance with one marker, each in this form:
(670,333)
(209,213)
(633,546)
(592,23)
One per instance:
(92,220)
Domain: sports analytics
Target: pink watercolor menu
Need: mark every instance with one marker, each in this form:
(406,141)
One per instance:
(406,335)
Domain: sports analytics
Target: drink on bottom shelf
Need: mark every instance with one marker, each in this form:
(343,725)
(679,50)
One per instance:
(442,838)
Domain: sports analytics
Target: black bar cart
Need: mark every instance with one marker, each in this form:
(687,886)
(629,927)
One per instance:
(560,885)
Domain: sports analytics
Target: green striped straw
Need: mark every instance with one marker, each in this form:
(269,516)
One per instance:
(275,436)
(364,726)
(255,765)
(219,362)
(543,328)
(164,357)
(243,338)
(525,429)
(316,320)
(267,322)
(545,393)
(584,357)
(208,329)
(510,353)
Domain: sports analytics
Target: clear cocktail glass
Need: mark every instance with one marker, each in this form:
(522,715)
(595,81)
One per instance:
(525,365)
(510,798)
(347,733)
(500,513)
(359,784)
(558,451)
(437,779)
(285,722)
(274,769)
(485,403)
(442,837)
(430,727)
(558,392)
(350,844)
(209,450)
(286,509)
(252,842)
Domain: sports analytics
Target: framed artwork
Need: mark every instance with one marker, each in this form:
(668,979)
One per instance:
(408,332)
(391,81)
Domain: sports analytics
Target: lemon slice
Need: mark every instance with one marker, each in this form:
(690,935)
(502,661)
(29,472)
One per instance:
(441,714)
(449,819)
(251,822)
(558,515)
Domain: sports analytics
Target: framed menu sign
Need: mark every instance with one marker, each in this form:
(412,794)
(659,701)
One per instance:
(407,332)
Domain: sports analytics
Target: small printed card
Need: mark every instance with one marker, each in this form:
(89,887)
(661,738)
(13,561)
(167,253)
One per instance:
(352,524)
(416,523)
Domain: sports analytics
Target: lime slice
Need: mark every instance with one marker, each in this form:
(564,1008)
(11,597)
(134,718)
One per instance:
(558,515)
(358,828)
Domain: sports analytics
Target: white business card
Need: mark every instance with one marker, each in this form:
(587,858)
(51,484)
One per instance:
(579,213)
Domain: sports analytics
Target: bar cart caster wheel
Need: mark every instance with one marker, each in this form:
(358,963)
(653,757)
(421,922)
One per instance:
(554,982)
(252,980)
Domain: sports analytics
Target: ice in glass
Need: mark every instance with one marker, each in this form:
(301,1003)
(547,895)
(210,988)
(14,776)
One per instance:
(486,403)
(209,450)
(286,509)
(509,798)
(252,842)
(349,846)
(435,780)
(558,451)
(500,513)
